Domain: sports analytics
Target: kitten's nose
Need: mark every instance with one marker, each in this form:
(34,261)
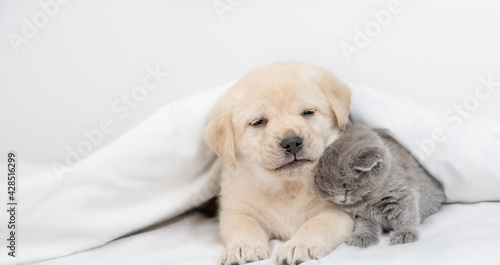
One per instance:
(341,198)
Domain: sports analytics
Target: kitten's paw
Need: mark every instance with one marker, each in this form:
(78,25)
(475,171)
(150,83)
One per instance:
(294,252)
(402,237)
(362,240)
(241,253)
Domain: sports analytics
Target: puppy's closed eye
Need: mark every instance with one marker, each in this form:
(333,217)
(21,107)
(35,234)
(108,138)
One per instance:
(308,112)
(258,123)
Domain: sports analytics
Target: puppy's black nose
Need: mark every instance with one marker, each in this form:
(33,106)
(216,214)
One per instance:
(291,144)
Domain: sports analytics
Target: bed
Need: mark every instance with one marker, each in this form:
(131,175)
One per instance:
(132,201)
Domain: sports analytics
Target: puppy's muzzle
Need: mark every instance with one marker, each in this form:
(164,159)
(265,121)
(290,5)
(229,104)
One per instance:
(291,144)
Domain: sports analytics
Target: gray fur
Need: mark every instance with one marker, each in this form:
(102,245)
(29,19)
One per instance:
(379,183)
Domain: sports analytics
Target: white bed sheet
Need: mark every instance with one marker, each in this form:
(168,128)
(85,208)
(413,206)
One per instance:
(142,179)
(457,234)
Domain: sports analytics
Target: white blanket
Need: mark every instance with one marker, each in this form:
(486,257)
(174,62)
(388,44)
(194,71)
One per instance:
(458,234)
(159,169)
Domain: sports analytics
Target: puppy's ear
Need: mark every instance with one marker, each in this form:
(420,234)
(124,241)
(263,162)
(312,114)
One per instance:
(337,93)
(219,134)
(370,159)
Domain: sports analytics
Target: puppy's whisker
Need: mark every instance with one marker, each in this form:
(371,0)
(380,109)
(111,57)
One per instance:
(335,149)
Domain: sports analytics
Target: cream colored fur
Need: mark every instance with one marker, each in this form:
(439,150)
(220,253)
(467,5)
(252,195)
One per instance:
(261,200)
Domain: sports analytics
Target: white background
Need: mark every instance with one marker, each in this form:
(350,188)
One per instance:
(64,79)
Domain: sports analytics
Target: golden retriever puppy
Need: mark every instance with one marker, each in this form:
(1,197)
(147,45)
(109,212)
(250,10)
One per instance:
(270,129)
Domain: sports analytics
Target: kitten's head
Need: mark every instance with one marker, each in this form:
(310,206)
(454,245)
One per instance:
(351,167)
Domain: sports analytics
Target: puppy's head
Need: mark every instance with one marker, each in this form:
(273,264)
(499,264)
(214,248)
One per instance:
(279,118)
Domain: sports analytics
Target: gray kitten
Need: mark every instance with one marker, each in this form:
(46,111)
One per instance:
(378,182)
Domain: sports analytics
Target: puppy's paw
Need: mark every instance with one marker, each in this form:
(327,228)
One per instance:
(362,240)
(241,253)
(402,237)
(294,252)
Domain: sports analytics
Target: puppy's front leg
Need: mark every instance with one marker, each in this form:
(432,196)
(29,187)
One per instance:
(244,238)
(316,238)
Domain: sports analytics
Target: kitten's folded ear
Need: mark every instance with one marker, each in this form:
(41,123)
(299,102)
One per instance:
(371,159)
